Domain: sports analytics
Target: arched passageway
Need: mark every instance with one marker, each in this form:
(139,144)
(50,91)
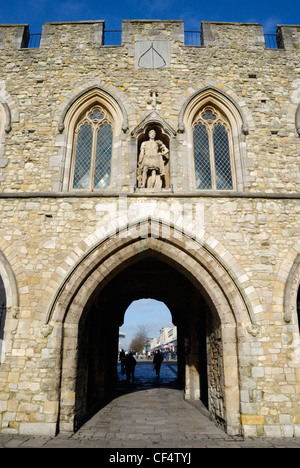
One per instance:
(205,305)
(98,336)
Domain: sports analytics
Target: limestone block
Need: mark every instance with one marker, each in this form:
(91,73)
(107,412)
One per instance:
(38,429)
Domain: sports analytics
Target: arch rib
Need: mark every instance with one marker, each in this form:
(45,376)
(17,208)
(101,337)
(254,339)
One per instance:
(298,120)
(214,92)
(209,250)
(7,127)
(61,125)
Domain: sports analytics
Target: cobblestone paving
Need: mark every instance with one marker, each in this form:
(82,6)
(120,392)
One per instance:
(149,414)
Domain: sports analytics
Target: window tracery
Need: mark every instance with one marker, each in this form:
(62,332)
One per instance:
(213,158)
(92,151)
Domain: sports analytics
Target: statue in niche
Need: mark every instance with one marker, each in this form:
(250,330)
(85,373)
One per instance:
(152,160)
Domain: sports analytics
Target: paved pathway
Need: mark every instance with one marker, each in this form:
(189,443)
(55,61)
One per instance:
(153,414)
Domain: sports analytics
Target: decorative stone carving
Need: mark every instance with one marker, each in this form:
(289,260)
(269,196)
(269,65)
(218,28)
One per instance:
(153,100)
(151,163)
(254,329)
(46,330)
(15,310)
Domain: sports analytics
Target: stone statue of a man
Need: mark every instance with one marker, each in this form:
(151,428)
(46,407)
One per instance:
(151,165)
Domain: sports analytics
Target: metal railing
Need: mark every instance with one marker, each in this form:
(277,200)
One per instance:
(112,37)
(271,41)
(31,41)
(192,38)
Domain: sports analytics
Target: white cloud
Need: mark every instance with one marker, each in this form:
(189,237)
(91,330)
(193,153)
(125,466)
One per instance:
(270,23)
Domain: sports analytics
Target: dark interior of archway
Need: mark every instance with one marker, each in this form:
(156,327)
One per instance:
(2,308)
(298,306)
(99,329)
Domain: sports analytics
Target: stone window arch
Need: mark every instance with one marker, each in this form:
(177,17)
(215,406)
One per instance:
(5,117)
(92,125)
(92,150)
(5,128)
(9,302)
(213,151)
(298,120)
(215,128)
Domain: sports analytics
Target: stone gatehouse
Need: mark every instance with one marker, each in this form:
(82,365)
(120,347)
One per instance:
(150,169)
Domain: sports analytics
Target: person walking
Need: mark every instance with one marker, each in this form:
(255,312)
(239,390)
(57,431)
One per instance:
(157,362)
(130,364)
(122,359)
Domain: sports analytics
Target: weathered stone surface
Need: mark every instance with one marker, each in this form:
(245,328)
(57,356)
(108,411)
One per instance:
(241,248)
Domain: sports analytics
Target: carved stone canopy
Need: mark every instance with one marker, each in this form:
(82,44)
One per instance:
(153,120)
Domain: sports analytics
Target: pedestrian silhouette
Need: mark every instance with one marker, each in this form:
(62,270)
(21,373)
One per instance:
(122,359)
(130,364)
(157,361)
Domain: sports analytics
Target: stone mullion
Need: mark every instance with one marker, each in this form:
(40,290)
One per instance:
(93,157)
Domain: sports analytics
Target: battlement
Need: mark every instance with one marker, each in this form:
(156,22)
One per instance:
(213,34)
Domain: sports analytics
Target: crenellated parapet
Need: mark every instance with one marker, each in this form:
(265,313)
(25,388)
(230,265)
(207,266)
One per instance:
(12,35)
(152,30)
(288,36)
(69,32)
(228,35)
(224,35)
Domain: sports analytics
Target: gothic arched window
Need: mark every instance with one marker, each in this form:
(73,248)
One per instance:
(214,167)
(92,150)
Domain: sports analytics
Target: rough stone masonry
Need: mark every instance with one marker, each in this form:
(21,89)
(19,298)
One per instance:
(227,260)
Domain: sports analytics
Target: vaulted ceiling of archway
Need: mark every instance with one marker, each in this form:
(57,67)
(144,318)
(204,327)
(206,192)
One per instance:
(149,278)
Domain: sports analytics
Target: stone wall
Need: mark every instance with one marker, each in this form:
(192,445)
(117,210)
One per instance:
(253,233)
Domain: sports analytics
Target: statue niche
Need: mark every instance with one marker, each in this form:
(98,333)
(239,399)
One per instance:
(153,160)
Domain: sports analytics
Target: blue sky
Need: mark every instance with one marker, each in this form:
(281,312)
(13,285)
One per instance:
(147,312)
(36,12)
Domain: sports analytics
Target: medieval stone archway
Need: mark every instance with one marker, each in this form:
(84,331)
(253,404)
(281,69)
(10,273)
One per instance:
(205,303)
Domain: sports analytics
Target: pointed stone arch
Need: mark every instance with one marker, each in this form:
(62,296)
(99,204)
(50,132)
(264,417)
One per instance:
(288,281)
(206,95)
(6,115)
(107,259)
(5,128)
(93,92)
(153,118)
(286,293)
(239,125)
(11,305)
(207,250)
(78,102)
(10,283)
(298,120)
